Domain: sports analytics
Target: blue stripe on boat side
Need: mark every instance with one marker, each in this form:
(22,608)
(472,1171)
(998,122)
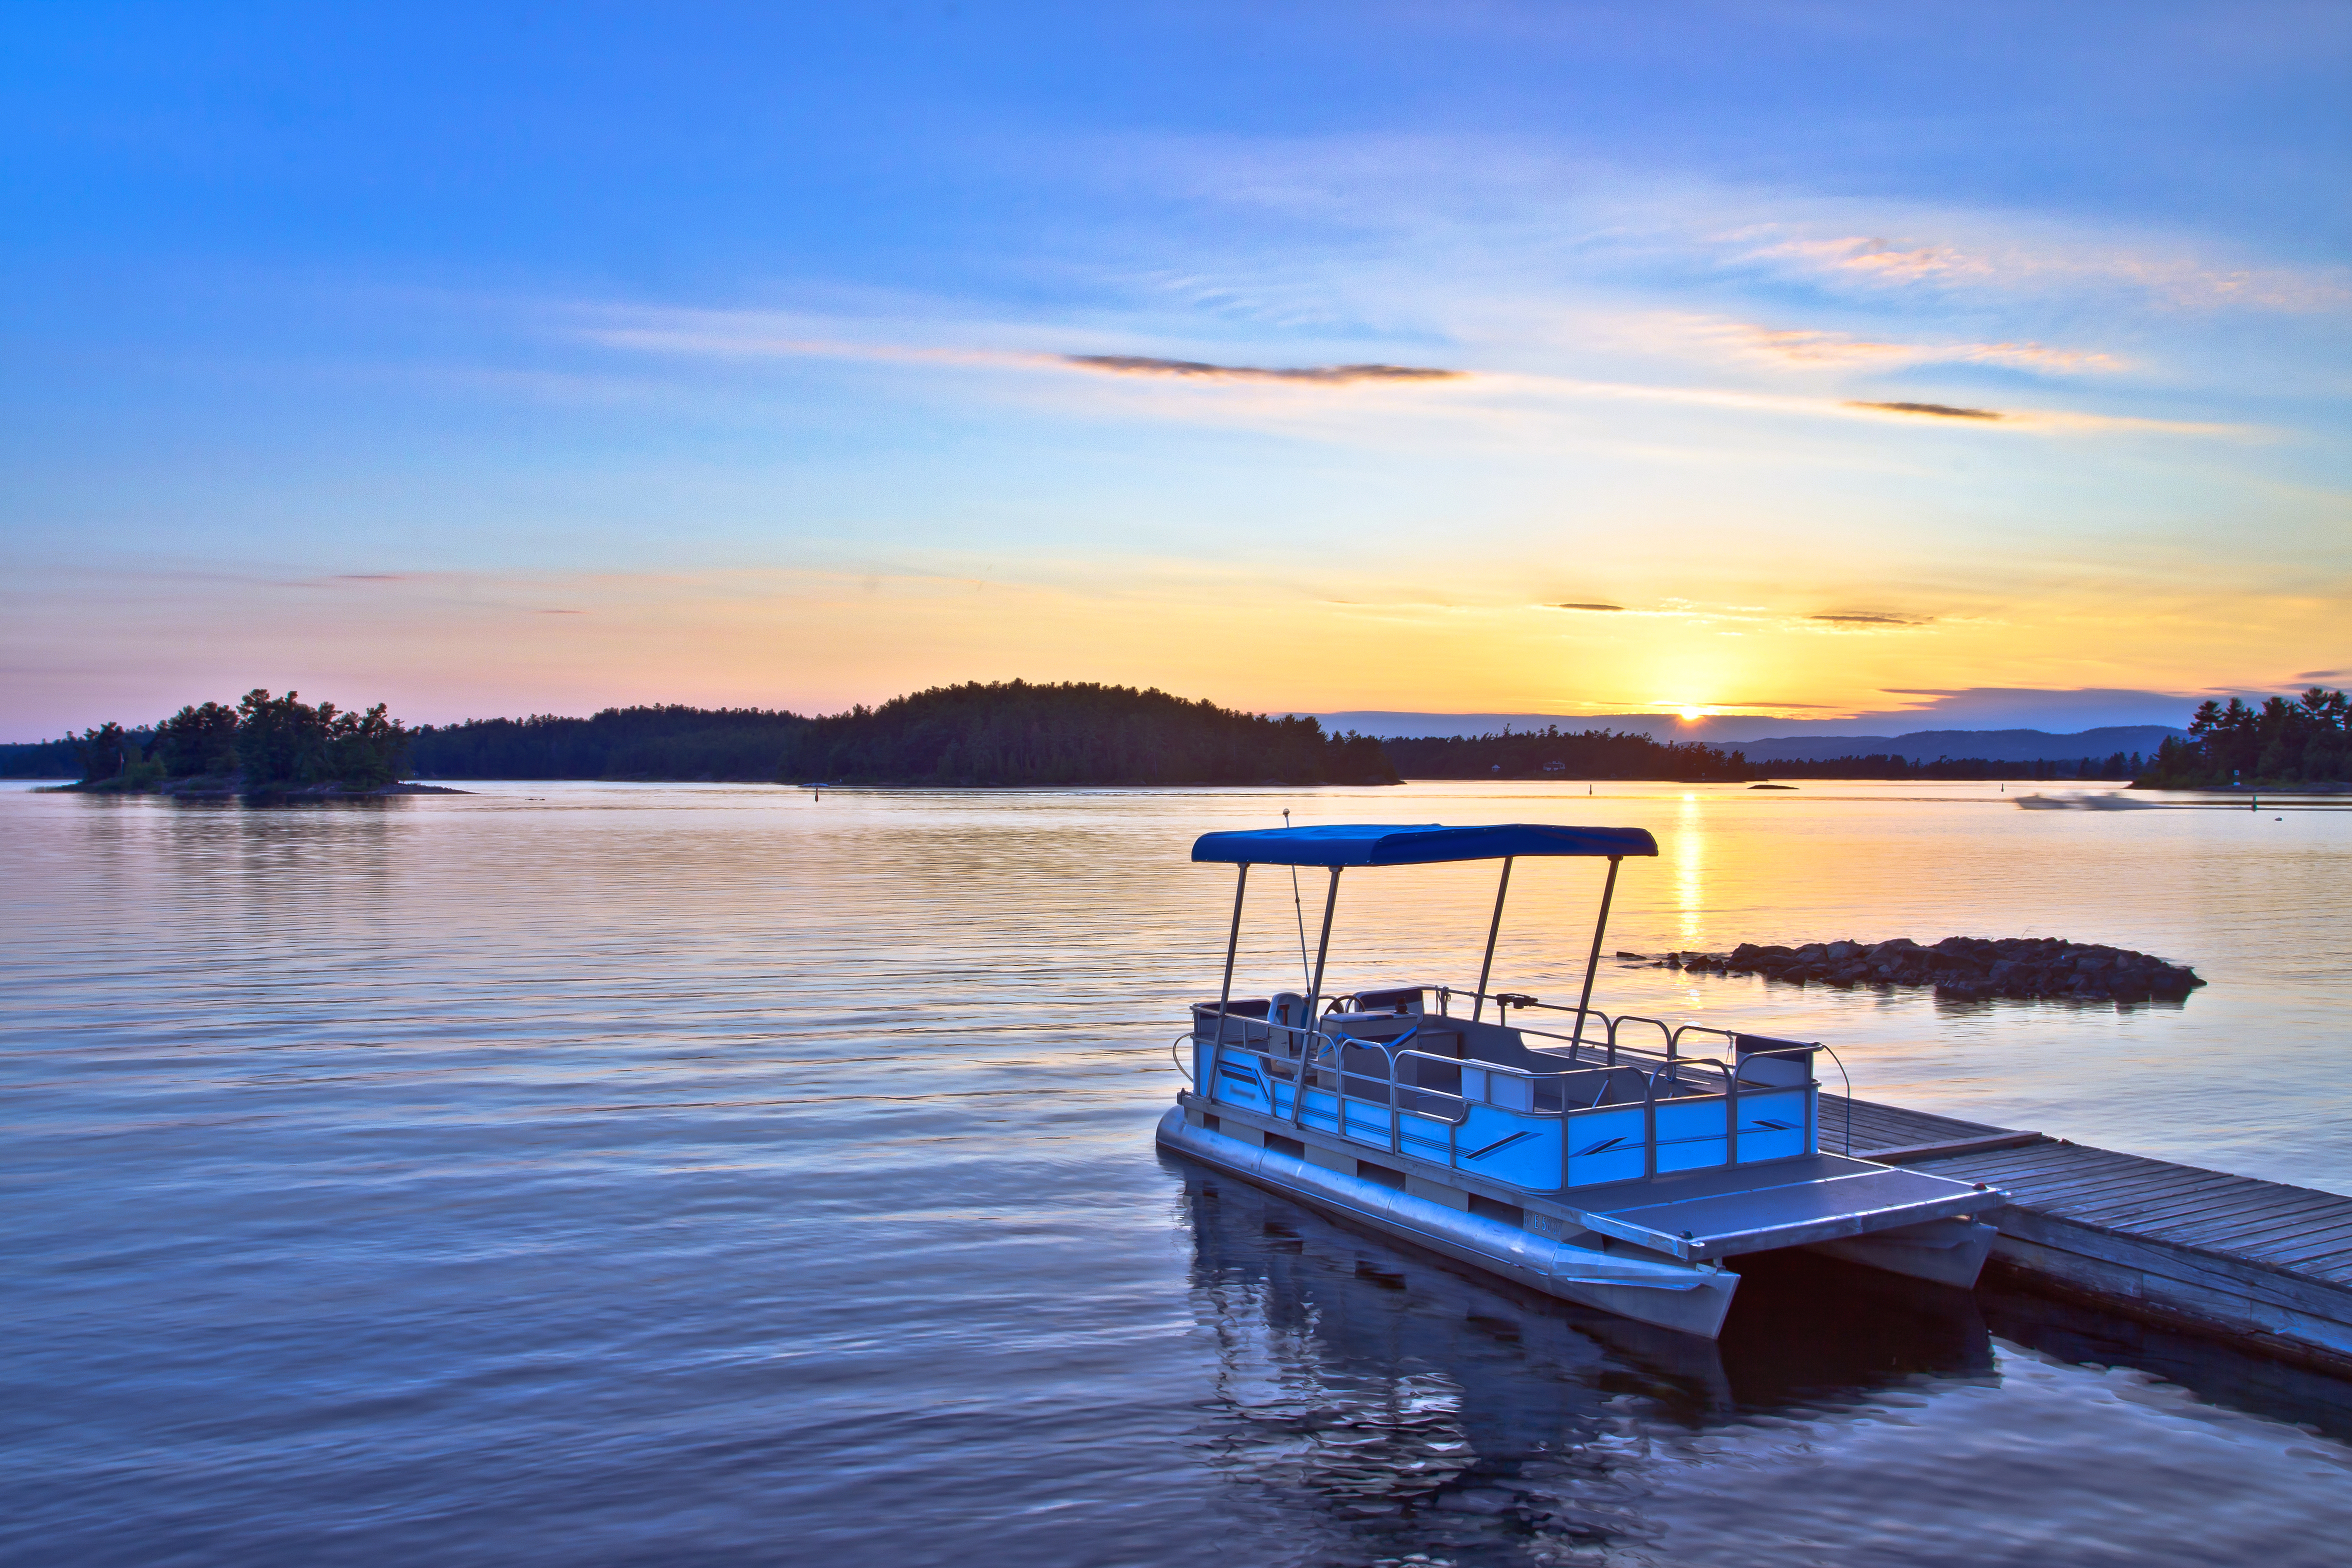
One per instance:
(1502,1142)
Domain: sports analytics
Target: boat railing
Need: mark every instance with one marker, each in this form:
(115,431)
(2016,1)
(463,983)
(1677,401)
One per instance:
(1657,1105)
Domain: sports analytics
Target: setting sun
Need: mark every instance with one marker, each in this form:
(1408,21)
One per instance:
(1692,715)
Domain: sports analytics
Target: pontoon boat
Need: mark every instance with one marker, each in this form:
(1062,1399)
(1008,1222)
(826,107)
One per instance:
(1604,1163)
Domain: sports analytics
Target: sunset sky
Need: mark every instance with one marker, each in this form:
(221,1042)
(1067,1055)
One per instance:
(1801,359)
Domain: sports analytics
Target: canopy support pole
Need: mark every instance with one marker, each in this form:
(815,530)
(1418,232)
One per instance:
(1494,930)
(1592,963)
(1314,1000)
(1232,945)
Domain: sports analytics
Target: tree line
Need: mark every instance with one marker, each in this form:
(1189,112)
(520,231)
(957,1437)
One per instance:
(2116,765)
(669,741)
(1016,733)
(263,744)
(2286,741)
(1006,732)
(1554,752)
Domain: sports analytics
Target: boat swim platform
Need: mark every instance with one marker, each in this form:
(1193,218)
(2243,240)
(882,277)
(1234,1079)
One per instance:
(2263,1264)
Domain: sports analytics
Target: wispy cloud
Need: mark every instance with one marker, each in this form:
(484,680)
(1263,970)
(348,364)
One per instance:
(1328,375)
(2178,279)
(1813,347)
(1869,618)
(1615,607)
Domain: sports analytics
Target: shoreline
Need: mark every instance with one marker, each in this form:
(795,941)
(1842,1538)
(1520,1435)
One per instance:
(214,789)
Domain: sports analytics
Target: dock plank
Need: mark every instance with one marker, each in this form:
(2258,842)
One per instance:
(2084,1179)
(2245,1217)
(2188,1205)
(2167,1209)
(2152,1201)
(2071,1165)
(2088,1187)
(2336,1265)
(2304,1248)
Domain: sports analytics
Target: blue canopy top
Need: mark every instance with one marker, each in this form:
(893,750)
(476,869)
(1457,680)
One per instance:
(1424,844)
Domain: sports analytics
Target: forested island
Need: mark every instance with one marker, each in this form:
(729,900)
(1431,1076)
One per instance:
(1014,732)
(264,745)
(2286,741)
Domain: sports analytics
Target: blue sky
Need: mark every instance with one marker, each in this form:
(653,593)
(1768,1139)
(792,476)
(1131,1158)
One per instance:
(501,358)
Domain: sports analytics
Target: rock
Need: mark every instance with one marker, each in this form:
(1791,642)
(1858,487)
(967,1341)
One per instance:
(1962,968)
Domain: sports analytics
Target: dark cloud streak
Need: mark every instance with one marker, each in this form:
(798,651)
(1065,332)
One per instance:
(1325,375)
(1940,410)
(1584,606)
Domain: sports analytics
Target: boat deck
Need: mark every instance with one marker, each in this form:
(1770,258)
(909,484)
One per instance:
(2257,1261)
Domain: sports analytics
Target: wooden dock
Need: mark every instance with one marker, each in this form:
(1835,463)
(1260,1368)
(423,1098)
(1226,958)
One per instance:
(2264,1264)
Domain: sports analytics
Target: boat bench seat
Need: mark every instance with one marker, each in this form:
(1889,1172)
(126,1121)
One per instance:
(1243,1023)
(1604,1086)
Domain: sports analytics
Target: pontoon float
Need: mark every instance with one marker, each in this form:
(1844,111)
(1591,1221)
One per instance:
(1603,1162)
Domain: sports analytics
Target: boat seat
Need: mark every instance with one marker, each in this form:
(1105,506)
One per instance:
(1243,1023)
(1604,1086)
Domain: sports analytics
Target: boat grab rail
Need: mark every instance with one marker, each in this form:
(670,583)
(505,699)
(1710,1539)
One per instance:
(1310,1072)
(1667,1074)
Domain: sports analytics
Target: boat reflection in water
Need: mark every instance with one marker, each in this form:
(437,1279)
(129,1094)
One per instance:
(1379,1404)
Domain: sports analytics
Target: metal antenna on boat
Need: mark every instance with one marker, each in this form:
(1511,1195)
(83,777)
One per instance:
(1301,911)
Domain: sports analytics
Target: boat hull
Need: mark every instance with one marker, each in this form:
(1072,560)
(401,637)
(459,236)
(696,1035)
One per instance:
(1690,1298)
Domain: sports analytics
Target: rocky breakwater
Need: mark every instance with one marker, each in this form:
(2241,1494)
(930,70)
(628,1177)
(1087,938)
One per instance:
(1963,968)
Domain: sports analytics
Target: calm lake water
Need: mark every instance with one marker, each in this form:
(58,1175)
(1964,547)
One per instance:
(593,1174)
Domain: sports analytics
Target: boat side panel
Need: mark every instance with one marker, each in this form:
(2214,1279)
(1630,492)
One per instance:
(1504,1146)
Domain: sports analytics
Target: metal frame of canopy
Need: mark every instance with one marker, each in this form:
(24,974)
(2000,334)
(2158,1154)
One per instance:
(1337,847)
